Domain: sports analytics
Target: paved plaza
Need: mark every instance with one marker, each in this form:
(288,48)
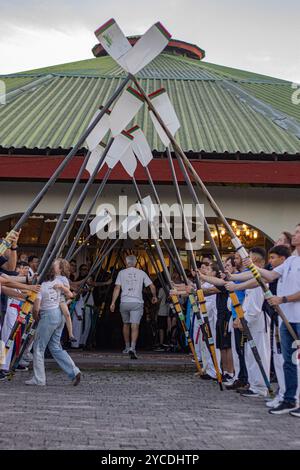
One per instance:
(136,409)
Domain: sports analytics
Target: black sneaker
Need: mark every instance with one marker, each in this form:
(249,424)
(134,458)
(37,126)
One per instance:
(283,408)
(249,393)
(295,413)
(3,376)
(227,379)
(132,354)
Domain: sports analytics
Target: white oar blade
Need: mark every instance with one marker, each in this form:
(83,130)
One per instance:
(150,45)
(128,161)
(119,146)
(113,40)
(100,221)
(140,146)
(99,130)
(133,219)
(95,156)
(165,109)
(149,209)
(127,106)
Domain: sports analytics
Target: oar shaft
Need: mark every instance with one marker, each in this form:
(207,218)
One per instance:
(174,298)
(71,250)
(62,215)
(206,329)
(44,268)
(233,295)
(70,155)
(179,264)
(155,238)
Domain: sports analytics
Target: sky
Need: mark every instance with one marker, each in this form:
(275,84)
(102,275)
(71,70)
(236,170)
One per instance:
(262,36)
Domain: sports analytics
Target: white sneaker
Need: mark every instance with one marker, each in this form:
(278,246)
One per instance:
(273,403)
(125,351)
(24,363)
(33,382)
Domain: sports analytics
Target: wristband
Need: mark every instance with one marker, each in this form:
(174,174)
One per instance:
(14,248)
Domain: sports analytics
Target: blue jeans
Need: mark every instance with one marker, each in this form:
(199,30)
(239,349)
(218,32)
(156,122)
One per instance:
(48,333)
(289,368)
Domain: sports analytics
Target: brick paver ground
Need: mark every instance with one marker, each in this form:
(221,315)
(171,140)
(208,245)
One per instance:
(137,410)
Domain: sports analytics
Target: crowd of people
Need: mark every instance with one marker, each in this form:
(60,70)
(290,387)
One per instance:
(66,297)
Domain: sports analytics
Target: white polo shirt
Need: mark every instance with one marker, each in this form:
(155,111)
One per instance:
(288,284)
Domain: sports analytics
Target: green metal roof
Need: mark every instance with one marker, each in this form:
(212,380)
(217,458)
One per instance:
(52,106)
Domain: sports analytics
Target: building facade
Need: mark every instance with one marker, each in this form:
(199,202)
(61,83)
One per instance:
(241,131)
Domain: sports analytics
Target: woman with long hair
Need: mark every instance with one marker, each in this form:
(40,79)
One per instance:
(47,310)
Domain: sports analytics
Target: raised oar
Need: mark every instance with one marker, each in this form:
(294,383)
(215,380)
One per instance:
(43,268)
(75,253)
(239,247)
(200,294)
(5,242)
(235,240)
(193,296)
(63,212)
(174,298)
(71,251)
(234,298)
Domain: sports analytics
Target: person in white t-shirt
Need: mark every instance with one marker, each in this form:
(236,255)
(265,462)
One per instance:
(288,298)
(130,283)
(51,322)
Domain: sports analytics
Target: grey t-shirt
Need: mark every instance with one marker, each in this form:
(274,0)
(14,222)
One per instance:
(132,281)
(50,297)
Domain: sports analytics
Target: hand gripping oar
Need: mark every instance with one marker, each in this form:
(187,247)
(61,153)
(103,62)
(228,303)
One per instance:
(174,298)
(5,243)
(239,247)
(234,298)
